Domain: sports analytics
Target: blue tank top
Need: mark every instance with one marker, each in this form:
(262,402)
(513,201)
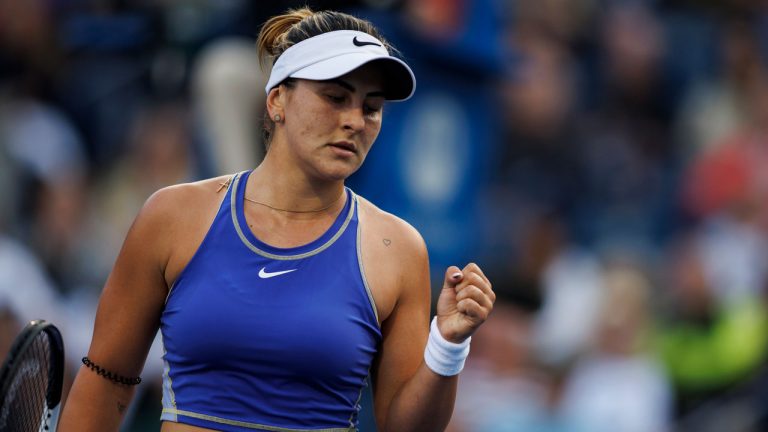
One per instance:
(263,338)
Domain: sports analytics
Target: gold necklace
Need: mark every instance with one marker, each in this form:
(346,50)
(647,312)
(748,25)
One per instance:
(296,211)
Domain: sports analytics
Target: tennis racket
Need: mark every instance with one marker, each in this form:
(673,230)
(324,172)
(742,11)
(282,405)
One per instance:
(31,380)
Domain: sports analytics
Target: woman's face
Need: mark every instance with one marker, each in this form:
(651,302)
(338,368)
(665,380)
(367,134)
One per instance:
(331,125)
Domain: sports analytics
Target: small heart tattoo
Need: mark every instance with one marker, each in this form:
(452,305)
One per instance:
(387,242)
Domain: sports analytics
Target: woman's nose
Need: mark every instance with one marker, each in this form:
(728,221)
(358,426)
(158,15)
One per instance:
(354,119)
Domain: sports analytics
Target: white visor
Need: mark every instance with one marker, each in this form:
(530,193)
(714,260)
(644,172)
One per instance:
(333,54)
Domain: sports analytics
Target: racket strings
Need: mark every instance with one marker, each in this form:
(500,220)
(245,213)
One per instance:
(25,408)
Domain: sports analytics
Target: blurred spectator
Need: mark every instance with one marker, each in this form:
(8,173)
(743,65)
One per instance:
(159,154)
(617,385)
(625,147)
(731,177)
(726,192)
(538,161)
(732,254)
(111,52)
(567,21)
(570,288)
(51,179)
(437,19)
(29,48)
(228,89)
(706,344)
(502,388)
(718,105)
(536,172)
(26,293)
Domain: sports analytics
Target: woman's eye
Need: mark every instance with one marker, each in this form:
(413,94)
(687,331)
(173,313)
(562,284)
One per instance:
(336,98)
(372,109)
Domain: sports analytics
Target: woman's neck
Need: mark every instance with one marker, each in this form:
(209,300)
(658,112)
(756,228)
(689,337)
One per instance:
(291,191)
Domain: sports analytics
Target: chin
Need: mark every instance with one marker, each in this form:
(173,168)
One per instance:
(337,171)
(338,175)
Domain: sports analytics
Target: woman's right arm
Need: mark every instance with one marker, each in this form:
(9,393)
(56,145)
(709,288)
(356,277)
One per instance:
(127,320)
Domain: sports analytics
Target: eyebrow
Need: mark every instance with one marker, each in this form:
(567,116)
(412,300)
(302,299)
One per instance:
(351,88)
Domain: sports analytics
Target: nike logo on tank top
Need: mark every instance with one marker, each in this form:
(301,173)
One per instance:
(264,338)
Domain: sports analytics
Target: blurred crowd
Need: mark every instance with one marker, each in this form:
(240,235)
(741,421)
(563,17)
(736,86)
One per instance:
(625,207)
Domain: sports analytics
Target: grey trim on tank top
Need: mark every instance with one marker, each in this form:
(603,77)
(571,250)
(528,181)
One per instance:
(249,425)
(251,246)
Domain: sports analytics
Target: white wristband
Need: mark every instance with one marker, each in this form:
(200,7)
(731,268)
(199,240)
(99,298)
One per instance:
(444,357)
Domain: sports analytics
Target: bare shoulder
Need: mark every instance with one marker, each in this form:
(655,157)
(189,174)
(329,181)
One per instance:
(175,219)
(184,197)
(390,228)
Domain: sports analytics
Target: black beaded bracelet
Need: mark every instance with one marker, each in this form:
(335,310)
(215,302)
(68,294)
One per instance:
(115,378)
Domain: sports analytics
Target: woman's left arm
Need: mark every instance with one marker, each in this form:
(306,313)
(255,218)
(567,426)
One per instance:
(408,395)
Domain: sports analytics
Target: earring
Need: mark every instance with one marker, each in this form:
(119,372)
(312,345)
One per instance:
(277,118)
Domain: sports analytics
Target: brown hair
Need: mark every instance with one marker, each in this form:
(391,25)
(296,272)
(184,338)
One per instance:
(283,31)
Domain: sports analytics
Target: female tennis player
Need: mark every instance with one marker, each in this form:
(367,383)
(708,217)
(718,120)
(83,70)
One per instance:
(277,291)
